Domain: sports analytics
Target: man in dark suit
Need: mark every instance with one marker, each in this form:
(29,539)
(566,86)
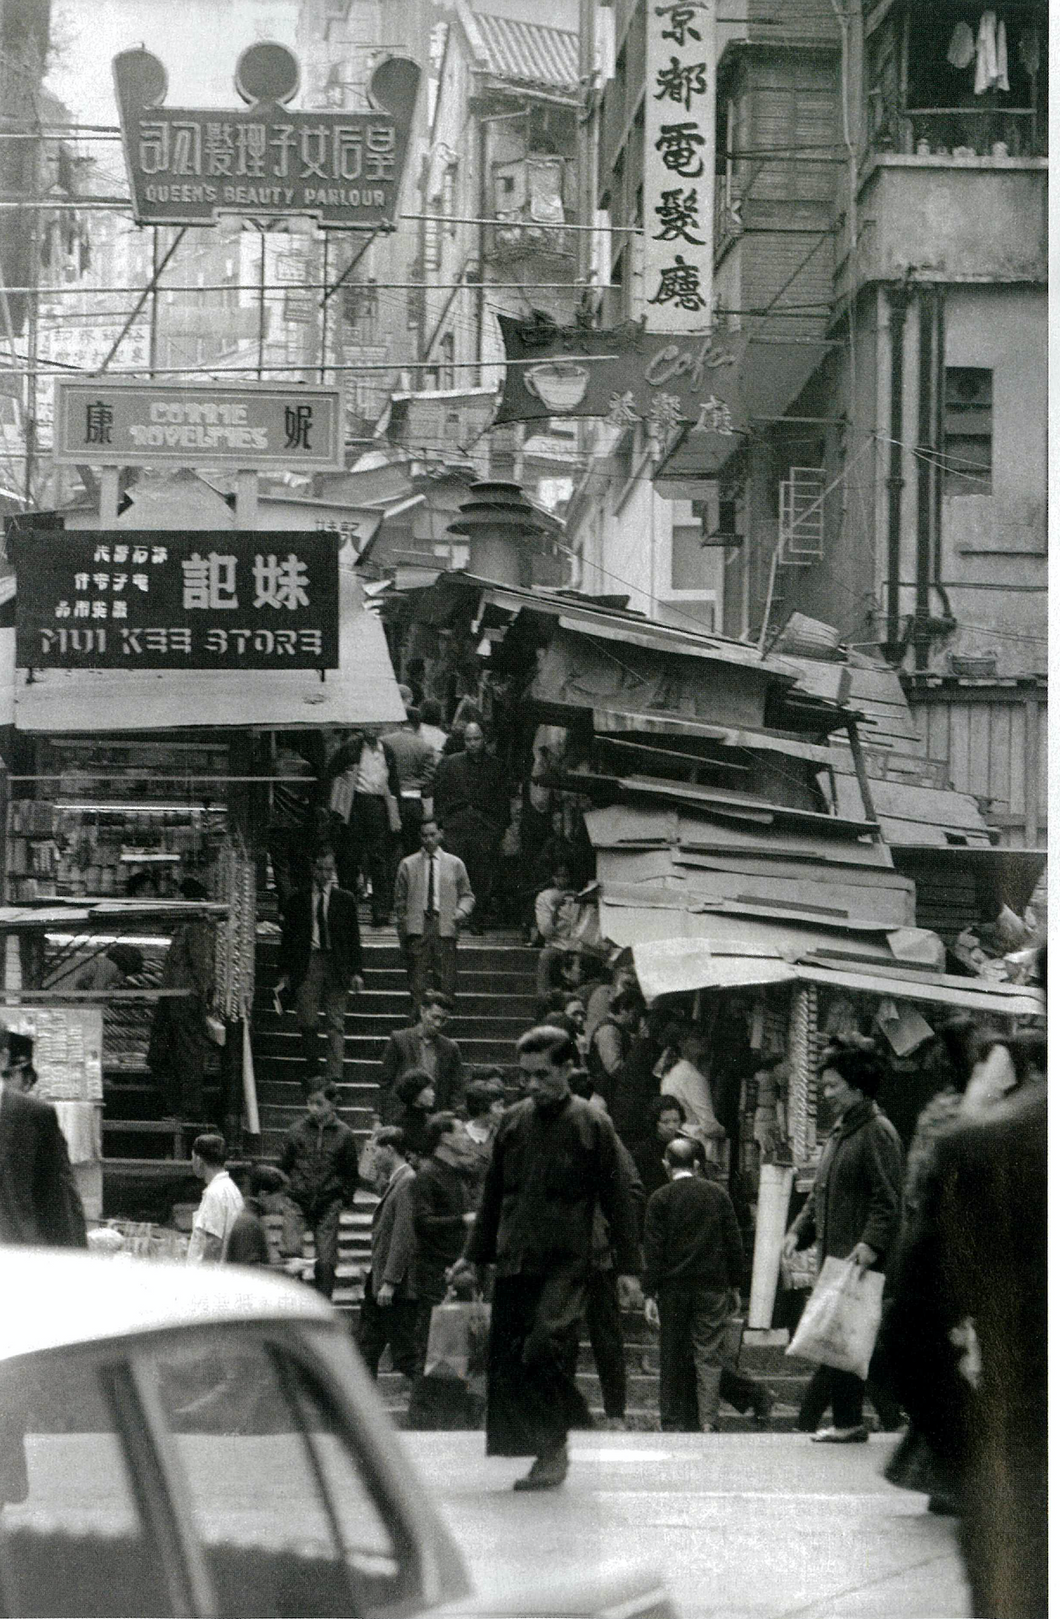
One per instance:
(473,805)
(432,900)
(389,1309)
(39,1200)
(320,960)
(425,1047)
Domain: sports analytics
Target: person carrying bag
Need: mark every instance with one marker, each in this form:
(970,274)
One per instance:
(842,1318)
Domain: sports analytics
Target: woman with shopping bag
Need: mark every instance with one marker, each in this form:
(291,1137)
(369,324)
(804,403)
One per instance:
(853,1213)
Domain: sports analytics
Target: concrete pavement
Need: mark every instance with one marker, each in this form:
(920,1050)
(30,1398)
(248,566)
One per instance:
(742,1525)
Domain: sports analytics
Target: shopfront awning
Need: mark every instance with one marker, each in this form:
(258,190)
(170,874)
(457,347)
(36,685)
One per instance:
(670,966)
(362,690)
(613,721)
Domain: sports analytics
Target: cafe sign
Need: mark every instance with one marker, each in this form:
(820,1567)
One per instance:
(162,599)
(256,425)
(625,375)
(186,165)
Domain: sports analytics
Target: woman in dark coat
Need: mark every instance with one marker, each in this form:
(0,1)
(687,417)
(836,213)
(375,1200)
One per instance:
(854,1209)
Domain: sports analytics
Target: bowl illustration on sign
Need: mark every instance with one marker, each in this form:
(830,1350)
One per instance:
(559,384)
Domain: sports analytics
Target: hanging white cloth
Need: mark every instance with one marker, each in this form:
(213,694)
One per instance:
(1002,56)
(986,63)
(962,46)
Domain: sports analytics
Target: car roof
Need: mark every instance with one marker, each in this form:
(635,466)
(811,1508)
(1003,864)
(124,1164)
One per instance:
(54,1298)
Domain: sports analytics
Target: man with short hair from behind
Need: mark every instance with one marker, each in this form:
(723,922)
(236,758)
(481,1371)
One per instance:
(319,1158)
(693,1258)
(221,1201)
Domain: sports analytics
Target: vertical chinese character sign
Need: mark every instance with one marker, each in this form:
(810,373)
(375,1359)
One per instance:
(679,165)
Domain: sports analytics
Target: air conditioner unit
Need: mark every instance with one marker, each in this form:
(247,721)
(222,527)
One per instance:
(801,522)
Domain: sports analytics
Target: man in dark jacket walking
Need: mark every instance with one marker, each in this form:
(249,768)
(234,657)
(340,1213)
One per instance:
(555,1158)
(319,1158)
(693,1258)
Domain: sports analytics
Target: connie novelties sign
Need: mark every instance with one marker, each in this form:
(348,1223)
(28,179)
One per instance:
(256,425)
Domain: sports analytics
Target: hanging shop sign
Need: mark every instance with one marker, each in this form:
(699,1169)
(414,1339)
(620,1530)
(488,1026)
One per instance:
(679,164)
(163,599)
(187,165)
(135,424)
(625,375)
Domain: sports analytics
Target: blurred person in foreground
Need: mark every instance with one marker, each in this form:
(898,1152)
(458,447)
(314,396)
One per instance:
(554,1160)
(966,1337)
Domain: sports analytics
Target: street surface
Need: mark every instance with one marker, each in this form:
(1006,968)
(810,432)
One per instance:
(742,1525)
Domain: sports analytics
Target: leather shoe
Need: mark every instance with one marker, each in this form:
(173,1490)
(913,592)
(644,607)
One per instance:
(841,1436)
(763,1405)
(547,1471)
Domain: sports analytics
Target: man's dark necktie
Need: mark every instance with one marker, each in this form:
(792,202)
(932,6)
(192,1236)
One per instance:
(431,901)
(322,923)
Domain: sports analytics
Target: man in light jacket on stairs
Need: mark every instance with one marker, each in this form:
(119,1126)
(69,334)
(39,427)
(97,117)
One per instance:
(432,899)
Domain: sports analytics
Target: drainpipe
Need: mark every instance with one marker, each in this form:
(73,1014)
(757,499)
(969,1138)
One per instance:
(925,489)
(899,301)
(940,442)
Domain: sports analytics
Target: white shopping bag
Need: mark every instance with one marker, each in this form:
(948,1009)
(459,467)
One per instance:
(841,1318)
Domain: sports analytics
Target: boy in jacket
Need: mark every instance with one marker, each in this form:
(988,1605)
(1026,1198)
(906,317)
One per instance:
(319,1158)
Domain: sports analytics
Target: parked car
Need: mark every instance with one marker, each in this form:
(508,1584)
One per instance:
(205,1441)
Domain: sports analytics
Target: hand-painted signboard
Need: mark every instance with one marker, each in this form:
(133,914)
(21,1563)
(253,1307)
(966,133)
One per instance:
(139,424)
(679,164)
(163,599)
(624,375)
(187,165)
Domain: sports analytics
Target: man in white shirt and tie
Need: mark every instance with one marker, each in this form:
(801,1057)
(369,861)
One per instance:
(432,899)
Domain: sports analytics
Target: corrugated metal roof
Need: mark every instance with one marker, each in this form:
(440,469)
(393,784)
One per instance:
(529,52)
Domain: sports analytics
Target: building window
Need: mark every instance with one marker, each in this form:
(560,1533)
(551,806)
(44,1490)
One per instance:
(968,444)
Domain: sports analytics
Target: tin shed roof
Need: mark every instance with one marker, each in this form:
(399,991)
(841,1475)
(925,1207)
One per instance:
(529,52)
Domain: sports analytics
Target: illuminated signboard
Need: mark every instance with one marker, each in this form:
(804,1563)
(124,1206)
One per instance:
(187,165)
(168,599)
(141,424)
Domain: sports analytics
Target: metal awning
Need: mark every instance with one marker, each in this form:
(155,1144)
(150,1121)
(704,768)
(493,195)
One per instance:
(729,736)
(672,966)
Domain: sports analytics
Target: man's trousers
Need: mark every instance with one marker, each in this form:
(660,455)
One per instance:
(395,1324)
(692,1323)
(431,962)
(603,1320)
(321,990)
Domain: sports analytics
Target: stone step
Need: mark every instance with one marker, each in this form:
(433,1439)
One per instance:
(394,1005)
(474,954)
(285,1046)
(469,982)
(360,1024)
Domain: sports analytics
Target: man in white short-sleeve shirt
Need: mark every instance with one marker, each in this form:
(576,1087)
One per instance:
(221,1202)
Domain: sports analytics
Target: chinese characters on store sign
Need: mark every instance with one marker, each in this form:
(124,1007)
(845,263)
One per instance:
(186,165)
(143,424)
(230,600)
(679,164)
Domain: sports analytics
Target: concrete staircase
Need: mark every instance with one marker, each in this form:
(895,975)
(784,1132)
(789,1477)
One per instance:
(495,1004)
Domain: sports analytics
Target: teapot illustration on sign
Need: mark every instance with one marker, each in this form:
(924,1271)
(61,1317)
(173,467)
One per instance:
(559,384)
